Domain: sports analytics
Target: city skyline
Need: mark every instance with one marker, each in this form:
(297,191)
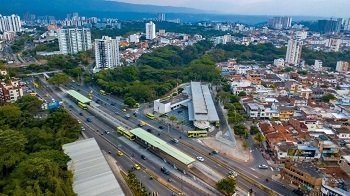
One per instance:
(323,8)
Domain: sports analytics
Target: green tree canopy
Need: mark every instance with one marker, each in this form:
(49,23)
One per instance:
(59,79)
(227,186)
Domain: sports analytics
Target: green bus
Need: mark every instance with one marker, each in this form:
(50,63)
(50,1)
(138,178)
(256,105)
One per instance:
(150,116)
(82,105)
(126,133)
(192,134)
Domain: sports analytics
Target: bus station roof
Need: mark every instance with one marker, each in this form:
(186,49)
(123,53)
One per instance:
(92,174)
(162,145)
(79,97)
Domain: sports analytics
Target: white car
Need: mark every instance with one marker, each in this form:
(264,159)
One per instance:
(200,159)
(262,166)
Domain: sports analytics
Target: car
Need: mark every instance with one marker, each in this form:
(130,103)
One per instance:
(127,116)
(79,122)
(109,152)
(170,180)
(161,127)
(137,166)
(88,120)
(120,153)
(175,140)
(80,113)
(83,128)
(117,113)
(124,110)
(149,130)
(201,159)
(106,132)
(262,166)
(112,104)
(143,157)
(165,170)
(232,173)
(213,152)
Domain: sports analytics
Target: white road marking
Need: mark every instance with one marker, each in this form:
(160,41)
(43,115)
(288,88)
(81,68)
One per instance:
(252,168)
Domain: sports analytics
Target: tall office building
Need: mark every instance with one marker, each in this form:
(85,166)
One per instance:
(280,22)
(330,26)
(293,54)
(72,41)
(150,30)
(10,23)
(106,53)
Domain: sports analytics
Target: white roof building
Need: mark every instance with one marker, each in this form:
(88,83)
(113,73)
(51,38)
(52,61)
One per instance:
(92,174)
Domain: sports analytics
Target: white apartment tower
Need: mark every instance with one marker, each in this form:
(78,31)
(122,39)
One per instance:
(150,30)
(10,23)
(106,53)
(72,41)
(293,54)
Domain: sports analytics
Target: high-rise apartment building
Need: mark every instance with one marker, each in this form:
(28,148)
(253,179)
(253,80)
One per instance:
(342,66)
(106,53)
(330,26)
(161,17)
(10,23)
(150,30)
(293,54)
(72,41)
(280,22)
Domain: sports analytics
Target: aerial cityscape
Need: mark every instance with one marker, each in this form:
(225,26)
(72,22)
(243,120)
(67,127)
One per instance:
(169,98)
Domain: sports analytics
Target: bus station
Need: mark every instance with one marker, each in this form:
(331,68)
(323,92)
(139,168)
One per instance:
(80,99)
(162,149)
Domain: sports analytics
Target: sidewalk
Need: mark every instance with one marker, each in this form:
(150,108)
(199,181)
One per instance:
(117,173)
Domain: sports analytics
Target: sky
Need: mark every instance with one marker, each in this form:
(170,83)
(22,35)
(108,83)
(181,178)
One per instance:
(327,8)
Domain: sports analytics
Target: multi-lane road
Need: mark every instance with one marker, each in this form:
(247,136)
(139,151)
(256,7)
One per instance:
(250,178)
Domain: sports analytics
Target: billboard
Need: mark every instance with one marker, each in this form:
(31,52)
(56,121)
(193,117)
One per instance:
(302,152)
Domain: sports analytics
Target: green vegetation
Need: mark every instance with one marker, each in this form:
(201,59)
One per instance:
(47,47)
(259,138)
(19,43)
(135,185)
(129,101)
(329,59)
(31,158)
(59,79)
(259,52)
(227,186)
(328,97)
(254,130)
(158,72)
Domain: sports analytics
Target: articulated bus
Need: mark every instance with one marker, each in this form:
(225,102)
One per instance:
(126,133)
(150,116)
(82,106)
(191,134)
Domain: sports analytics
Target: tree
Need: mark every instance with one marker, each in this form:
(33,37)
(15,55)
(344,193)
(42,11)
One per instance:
(59,79)
(129,101)
(254,130)
(240,130)
(245,144)
(242,94)
(328,97)
(29,104)
(172,119)
(259,138)
(227,186)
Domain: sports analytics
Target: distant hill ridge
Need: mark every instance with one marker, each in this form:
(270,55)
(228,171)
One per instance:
(84,7)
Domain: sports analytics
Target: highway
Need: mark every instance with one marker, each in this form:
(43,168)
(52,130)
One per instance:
(112,141)
(190,146)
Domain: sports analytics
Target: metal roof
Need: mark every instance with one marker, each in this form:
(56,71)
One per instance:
(81,98)
(202,107)
(92,174)
(162,145)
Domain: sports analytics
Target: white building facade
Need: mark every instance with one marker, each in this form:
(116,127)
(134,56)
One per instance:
(150,30)
(10,23)
(72,41)
(107,53)
(293,54)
